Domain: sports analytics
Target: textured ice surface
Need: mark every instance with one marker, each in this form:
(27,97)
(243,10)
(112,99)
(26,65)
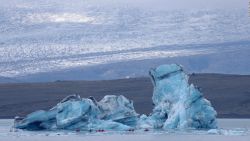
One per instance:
(177,105)
(44,36)
(75,113)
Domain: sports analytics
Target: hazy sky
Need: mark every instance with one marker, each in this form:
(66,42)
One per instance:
(181,4)
(149,4)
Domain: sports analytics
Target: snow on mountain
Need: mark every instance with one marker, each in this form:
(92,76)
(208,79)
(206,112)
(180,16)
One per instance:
(44,37)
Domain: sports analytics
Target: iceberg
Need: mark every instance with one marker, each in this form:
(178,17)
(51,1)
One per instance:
(177,105)
(76,113)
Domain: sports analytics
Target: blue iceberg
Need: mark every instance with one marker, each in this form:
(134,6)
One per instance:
(178,105)
(76,113)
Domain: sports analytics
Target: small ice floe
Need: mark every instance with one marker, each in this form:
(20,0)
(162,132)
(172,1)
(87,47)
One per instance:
(234,132)
(214,131)
(231,132)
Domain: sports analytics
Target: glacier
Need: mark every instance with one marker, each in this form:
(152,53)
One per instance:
(177,105)
(63,40)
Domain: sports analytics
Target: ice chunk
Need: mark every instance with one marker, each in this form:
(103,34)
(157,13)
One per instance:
(178,104)
(75,113)
(71,112)
(37,120)
(119,109)
(214,131)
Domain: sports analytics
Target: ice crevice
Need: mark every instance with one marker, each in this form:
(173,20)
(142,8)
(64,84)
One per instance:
(177,105)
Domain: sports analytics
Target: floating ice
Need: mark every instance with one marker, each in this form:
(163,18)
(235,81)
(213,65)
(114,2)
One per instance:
(177,105)
(75,113)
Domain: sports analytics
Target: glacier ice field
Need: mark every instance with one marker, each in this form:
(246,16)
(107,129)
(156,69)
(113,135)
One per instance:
(177,105)
(46,40)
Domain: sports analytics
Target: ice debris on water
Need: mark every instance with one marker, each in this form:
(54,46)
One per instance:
(231,132)
(178,105)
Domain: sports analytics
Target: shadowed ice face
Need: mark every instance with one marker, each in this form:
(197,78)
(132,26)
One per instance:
(152,76)
(163,72)
(166,80)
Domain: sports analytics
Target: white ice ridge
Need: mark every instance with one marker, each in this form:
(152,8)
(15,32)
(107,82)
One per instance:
(178,105)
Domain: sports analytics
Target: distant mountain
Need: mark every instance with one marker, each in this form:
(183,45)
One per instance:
(227,58)
(46,41)
(9,80)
